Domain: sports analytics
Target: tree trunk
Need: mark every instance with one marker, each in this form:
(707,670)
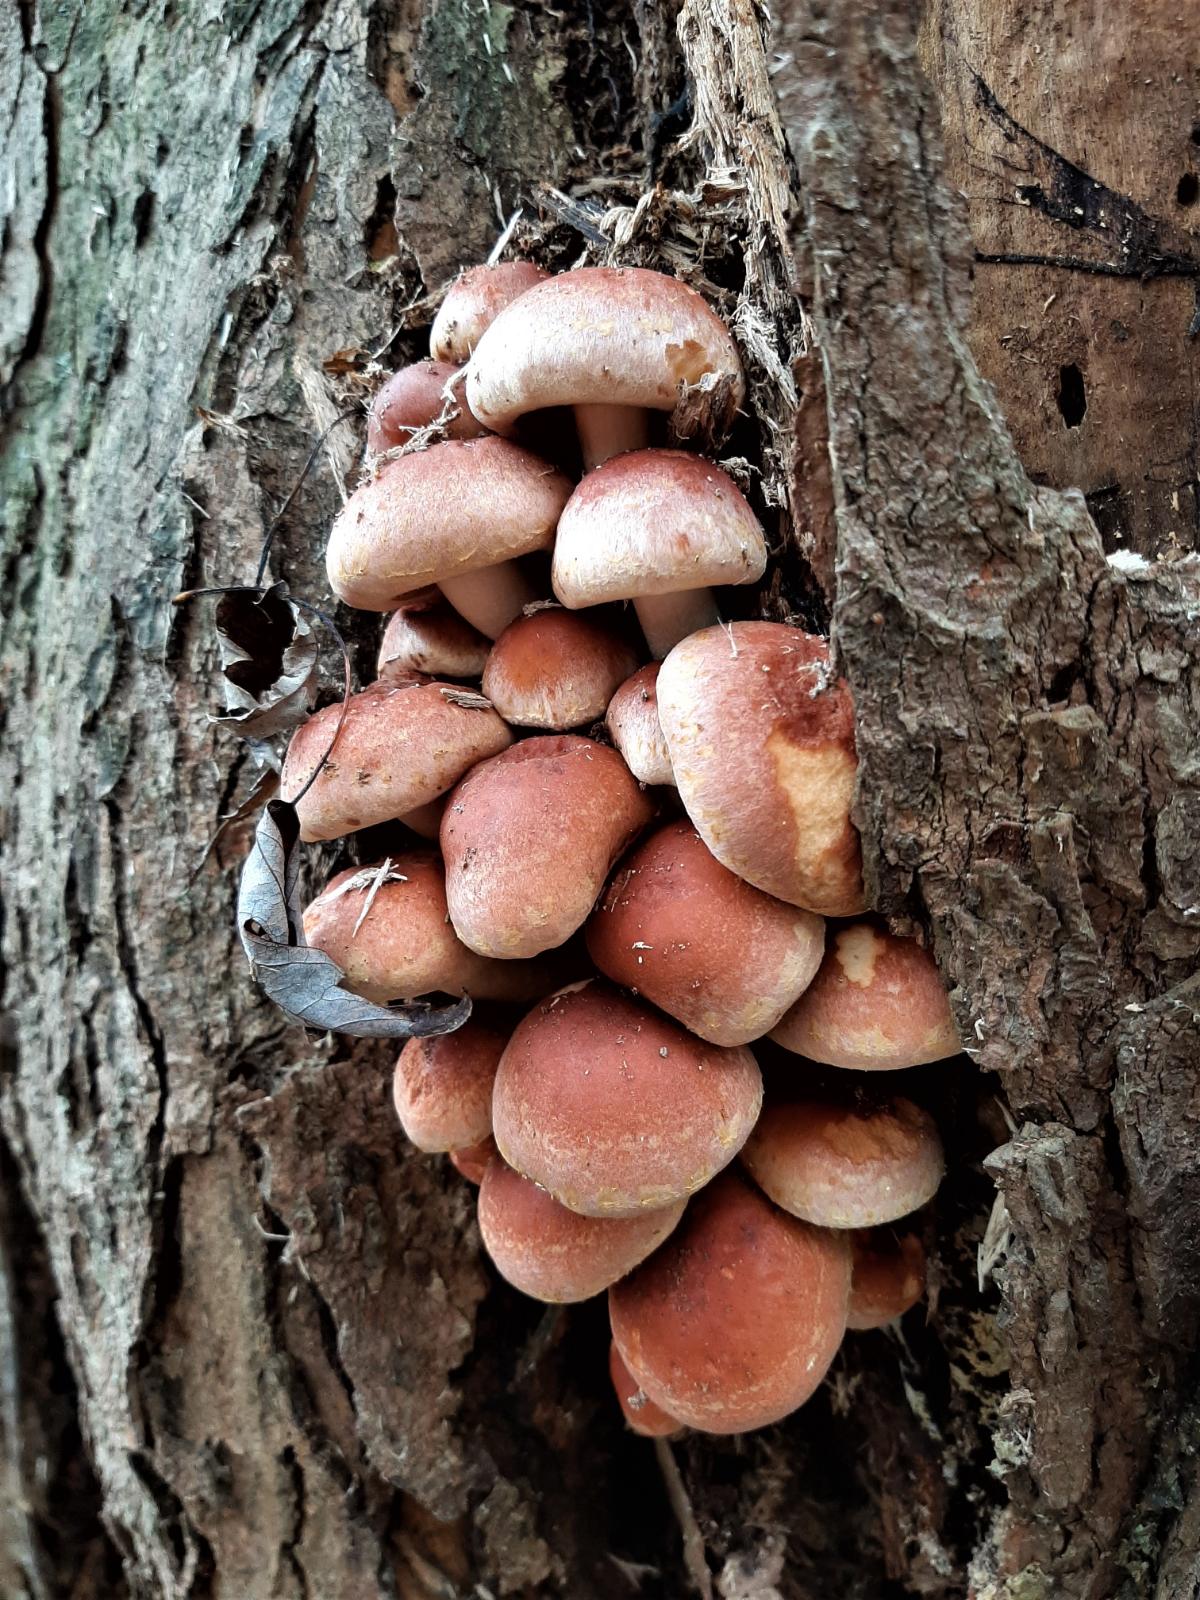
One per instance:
(248,1349)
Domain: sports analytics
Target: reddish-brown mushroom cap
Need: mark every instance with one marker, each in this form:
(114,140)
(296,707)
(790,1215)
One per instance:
(472,303)
(553,669)
(395,942)
(876,1003)
(889,1278)
(556,1255)
(399,748)
(613,1108)
(472,1162)
(761,740)
(425,635)
(734,1322)
(415,397)
(843,1167)
(634,728)
(716,954)
(442,1087)
(612,336)
(401,745)
(529,841)
(657,527)
(639,1411)
(439,514)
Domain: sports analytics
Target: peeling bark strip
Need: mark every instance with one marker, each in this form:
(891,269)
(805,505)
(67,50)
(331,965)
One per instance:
(1028,733)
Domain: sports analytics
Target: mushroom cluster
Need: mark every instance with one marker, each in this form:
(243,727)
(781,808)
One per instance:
(634,845)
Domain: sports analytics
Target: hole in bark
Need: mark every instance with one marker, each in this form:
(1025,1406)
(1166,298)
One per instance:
(1196,133)
(1072,397)
(1187,190)
(381,239)
(143,213)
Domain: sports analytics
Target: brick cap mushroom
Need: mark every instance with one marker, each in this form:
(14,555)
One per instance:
(733,1323)
(658,527)
(556,1255)
(471,1162)
(453,515)
(556,670)
(889,1278)
(443,1095)
(401,745)
(528,842)
(414,398)
(640,1412)
(716,954)
(425,635)
(473,302)
(615,1109)
(840,1166)
(614,342)
(761,740)
(391,936)
(877,1003)
(633,726)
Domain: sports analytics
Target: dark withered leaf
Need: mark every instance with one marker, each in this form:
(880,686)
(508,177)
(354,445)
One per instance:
(704,413)
(268,661)
(304,983)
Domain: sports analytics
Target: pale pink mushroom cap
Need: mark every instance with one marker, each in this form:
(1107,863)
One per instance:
(733,1323)
(413,398)
(633,726)
(889,1278)
(473,302)
(442,1087)
(401,945)
(401,745)
(639,1411)
(876,1003)
(846,1168)
(761,740)
(440,513)
(716,954)
(555,670)
(654,522)
(556,1255)
(529,841)
(426,635)
(615,1109)
(619,336)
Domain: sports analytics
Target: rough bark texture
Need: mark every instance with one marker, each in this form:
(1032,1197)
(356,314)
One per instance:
(248,1345)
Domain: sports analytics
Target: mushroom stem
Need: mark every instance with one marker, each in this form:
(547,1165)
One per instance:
(668,618)
(490,597)
(606,431)
(426,820)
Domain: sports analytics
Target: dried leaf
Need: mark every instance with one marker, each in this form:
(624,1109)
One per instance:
(469,699)
(304,983)
(704,413)
(269,662)
(264,788)
(349,359)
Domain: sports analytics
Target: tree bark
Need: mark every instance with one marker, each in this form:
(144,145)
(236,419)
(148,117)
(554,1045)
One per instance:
(249,1349)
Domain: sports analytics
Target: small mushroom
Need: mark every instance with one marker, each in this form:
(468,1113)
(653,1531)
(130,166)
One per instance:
(633,726)
(658,527)
(889,1278)
(614,343)
(386,927)
(716,954)
(442,1087)
(473,302)
(414,398)
(842,1167)
(876,1003)
(734,1321)
(472,1162)
(426,636)
(400,746)
(556,1255)
(761,740)
(639,1411)
(616,1110)
(528,842)
(553,669)
(457,514)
